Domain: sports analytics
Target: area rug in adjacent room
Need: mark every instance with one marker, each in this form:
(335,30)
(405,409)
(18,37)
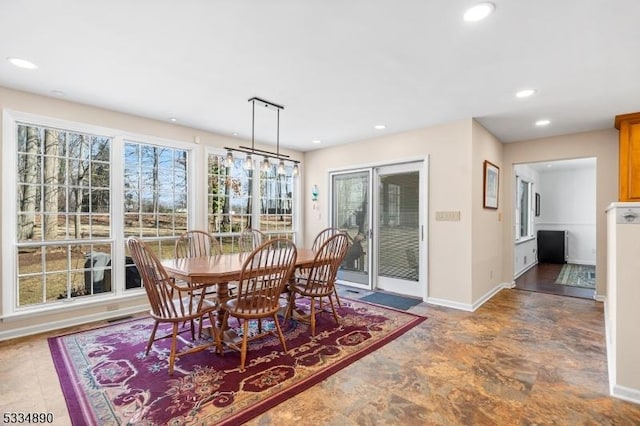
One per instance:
(577,275)
(107,379)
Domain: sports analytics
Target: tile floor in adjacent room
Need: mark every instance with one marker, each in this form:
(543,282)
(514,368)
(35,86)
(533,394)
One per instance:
(523,358)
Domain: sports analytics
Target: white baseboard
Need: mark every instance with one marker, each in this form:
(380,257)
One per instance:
(70,322)
(625,393)
(466,306)
(449,304)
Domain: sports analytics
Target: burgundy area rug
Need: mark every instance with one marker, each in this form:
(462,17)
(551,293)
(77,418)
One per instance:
(107,379)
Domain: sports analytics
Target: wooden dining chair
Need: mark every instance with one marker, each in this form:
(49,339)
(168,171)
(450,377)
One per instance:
(171,303)
(319,282)
(196,243)
(320,239)
(250,239)
(264,275)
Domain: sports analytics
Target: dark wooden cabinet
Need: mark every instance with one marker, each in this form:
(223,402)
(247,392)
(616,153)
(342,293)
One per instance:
(552,246)
(629,176)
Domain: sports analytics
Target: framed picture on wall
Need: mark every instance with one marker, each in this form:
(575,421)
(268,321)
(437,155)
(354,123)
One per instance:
(491,184)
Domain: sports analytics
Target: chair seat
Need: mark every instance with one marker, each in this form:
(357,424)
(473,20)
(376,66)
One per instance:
(191,308)
(248,306)
(318,289)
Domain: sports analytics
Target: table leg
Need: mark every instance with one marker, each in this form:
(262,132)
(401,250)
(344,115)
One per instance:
(223,296)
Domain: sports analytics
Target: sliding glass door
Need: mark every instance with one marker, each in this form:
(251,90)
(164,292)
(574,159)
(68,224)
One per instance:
(398,228)
(351,213)
(382,210)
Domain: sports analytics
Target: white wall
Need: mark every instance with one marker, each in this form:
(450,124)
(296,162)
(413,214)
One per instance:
(568,202)
(525,256)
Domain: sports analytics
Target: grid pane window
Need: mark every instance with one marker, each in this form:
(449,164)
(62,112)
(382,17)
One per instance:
(155,195)
(63,198)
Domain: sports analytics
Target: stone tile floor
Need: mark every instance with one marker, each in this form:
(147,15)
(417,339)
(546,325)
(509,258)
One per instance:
(523,358)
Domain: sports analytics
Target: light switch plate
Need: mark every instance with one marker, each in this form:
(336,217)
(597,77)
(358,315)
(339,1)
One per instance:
(452,216)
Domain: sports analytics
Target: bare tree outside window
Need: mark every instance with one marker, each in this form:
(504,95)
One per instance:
(63,187)
(156,194)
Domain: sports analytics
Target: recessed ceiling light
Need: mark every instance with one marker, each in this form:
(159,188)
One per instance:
(57,93)
(316,141)
(525,93)
(379,126)
(234,134)
(479,12)
(173,119)
(544,122)
(22,63)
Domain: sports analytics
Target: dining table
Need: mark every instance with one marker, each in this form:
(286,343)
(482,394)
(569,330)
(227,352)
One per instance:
(218,270)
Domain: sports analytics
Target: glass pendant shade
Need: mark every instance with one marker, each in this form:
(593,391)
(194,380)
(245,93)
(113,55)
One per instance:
(281,169)
(229,159)
(248,162)
(296,170)
(266,165)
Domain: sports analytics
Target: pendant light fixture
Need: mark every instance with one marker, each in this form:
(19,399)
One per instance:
(251,151)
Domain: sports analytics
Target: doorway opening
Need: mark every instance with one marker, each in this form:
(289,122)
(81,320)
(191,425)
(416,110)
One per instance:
(555,218)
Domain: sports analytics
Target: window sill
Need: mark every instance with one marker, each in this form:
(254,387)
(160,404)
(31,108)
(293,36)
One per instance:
(524,240)
(70,305)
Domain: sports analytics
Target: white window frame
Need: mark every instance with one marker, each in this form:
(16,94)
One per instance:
(9,214)
(529,207)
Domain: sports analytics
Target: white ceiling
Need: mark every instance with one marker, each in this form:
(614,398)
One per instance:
(563,165)
(338,67)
